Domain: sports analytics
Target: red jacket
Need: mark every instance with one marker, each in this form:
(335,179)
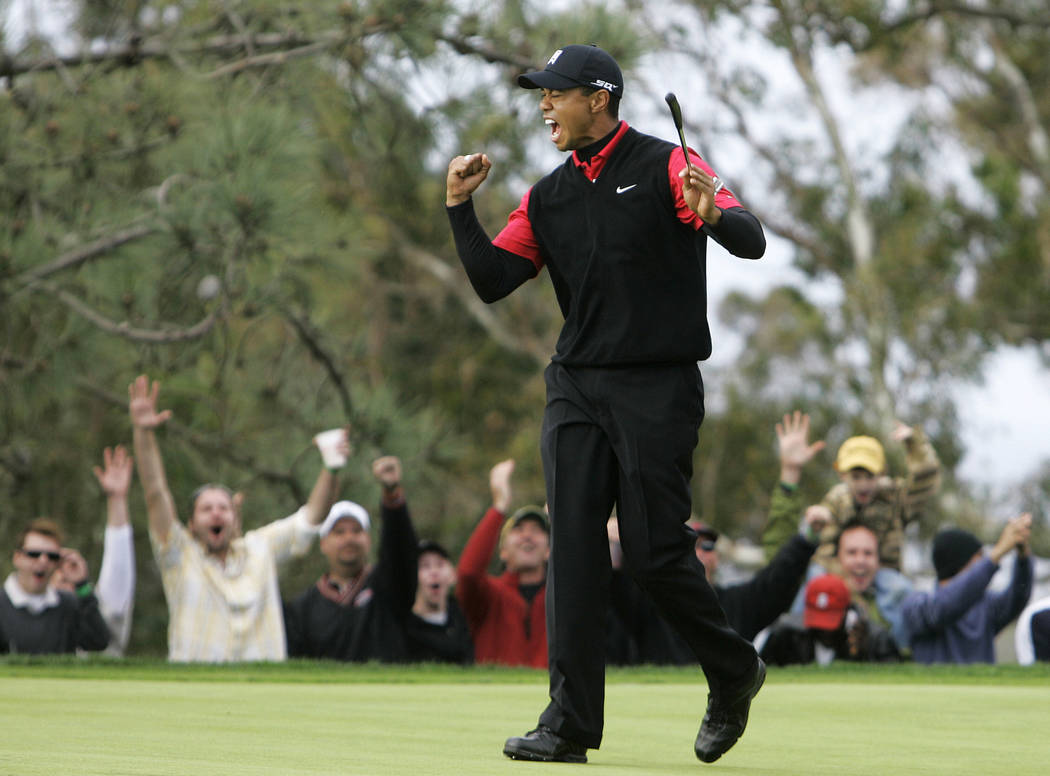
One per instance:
(506,628)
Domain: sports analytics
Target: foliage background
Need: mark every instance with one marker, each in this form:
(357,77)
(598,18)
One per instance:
(292,157)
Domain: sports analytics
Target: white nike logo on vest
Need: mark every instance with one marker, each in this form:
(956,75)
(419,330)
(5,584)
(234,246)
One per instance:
(622,189)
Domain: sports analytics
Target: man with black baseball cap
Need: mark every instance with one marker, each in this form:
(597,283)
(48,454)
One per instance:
(959,620)
(622,226)
(574,66)
(436,629)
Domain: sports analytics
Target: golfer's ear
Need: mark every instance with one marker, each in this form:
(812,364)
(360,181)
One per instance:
(599,101)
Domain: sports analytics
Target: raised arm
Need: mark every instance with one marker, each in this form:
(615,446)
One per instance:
(142,407)
(924,470)
(785,507)
(732,226)
(326,487)
(1008,604)
(473,586)
(398,568)
(116,577)
(115,481)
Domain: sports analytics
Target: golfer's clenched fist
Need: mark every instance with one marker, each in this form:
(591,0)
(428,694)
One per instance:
(465,174)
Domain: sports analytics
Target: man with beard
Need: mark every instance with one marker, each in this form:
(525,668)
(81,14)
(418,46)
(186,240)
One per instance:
(223,600)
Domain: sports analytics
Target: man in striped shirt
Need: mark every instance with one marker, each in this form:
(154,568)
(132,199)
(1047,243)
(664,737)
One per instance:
(223,600)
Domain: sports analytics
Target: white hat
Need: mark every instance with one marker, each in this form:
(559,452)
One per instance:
(343,509)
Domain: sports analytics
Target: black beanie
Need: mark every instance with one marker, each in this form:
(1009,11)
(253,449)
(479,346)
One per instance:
(952,549)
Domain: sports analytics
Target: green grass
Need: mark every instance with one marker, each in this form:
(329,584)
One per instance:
(141,717)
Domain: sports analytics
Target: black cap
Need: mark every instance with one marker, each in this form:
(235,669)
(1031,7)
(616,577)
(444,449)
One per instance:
(952,550)
(577,65)
(429,545)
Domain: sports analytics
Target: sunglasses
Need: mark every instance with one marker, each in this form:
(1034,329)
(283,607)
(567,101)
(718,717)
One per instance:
(707,544)
(52,556)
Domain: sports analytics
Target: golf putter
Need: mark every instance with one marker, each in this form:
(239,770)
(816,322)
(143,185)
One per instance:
(676,114)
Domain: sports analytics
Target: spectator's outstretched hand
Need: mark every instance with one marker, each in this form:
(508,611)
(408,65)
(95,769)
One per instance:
(499,484)
(1015,535)
(72,570)
(115,477)
(387,471)
(816,519)
(142,404)
(902,432)
(795,449)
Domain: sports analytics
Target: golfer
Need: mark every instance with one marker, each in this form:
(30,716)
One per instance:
(622,227)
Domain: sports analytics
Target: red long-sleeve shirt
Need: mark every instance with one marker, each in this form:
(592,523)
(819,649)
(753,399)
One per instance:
(507,628)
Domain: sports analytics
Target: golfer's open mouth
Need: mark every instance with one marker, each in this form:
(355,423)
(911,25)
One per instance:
(215,530)
(555,128)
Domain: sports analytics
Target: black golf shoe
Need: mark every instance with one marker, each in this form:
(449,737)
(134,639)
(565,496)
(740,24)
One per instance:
(544,745)
(726,717)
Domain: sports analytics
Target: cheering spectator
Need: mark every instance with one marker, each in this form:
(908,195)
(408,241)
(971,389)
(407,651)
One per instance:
(356,610)
(223,599)
(832,628)
(437,629)
(885,504)
(959,620)
(36,618)
(507,613)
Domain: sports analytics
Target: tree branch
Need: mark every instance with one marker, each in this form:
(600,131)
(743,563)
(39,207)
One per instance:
(463,46)
(962,9)
(203,442)
(477,309)
(273,58)
(156,336)
(85,253)
(304,329)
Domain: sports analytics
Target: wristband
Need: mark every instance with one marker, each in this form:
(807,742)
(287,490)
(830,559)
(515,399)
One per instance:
(787,487)
(84,589)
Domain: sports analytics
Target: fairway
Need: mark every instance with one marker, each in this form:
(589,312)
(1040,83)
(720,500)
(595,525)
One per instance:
(423,722)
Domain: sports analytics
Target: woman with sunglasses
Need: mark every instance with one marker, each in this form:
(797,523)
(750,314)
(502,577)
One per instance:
(36,618)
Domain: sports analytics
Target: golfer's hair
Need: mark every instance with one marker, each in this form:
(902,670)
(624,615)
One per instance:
(208,486)
(613,109)
(40,525)
(849,525)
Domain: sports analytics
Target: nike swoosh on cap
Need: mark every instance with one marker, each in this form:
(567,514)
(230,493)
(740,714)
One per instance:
(622,189)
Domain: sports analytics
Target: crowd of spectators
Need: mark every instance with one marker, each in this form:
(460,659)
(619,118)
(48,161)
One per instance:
(831,589)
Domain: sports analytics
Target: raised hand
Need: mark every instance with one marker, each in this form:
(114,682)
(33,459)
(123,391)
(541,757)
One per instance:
(115,477)
(902,432)
(795,449)
(698,190)
(387,471)
(465,174)
(142,404)
(499,484)
(73,567)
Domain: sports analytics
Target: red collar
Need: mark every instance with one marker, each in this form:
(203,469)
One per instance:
(593,168)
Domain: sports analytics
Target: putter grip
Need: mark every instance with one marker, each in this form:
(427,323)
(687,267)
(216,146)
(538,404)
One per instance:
(676,110)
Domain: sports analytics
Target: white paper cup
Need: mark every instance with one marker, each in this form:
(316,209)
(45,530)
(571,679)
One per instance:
(328,443)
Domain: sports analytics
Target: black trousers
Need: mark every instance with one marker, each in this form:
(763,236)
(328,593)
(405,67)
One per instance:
(623,437)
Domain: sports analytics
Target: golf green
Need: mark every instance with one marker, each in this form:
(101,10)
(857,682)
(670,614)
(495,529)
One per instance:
(436,723)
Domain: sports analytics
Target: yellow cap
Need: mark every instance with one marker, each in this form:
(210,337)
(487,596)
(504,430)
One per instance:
(861,452)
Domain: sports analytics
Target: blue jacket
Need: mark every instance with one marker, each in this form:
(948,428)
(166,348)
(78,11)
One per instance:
(958,622)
